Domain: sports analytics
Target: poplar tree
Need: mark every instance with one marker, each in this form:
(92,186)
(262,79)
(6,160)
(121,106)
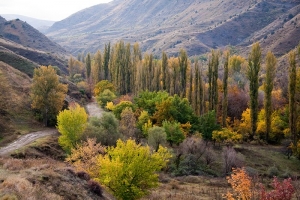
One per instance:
(292,93)
(213,67)
(225,89)
(183,66)
(268,87)
(164,67)
(88,65)
(97,67)
(254,62)
(106,58)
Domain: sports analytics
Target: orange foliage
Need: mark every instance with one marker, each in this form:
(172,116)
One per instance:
(241,184)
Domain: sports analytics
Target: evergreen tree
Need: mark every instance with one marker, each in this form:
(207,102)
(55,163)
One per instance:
(254,62)
(268,87)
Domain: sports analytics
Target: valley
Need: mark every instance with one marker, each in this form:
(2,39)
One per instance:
(190,91)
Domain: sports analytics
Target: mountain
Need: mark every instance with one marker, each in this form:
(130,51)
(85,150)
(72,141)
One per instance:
(20,40)
(41,25)
(169,25)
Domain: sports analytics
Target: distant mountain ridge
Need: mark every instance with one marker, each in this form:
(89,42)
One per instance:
(169,25)
(41,25)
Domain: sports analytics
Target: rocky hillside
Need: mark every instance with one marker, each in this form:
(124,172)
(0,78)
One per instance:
(22,40)
(196,26)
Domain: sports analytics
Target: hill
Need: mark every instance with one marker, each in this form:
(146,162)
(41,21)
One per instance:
(41,25)
(19,39)
(196,26)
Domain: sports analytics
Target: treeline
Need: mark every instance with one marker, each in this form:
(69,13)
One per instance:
(220,81)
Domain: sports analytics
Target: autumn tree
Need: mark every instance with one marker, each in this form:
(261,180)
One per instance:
(213,66)
(254,62)
(103,85)
(84,157)
(183,69)
(97,68)
(129,170)
(128,123)
(292,93)
(225,89)
(71,125)
(241,184)
(47,94)
(268,88)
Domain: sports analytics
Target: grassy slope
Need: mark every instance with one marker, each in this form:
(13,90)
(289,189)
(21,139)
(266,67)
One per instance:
(16,117)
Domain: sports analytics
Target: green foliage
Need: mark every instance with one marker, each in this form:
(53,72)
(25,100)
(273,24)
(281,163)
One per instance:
(105,96)
(156,136)
(254,63)
(103,85)
(268,88)
(226,136)
(174,133)
(47,94)
(143,118)
(71,125)
(105,129)
(129,170)
(208,124)
(147,100)
(118,109)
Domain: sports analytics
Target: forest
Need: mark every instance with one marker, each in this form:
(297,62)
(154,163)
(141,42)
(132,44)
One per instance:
(173,111)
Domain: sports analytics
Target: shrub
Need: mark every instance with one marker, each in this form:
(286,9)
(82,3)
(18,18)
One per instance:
(231,159)
(95,187)
(156,136)
(104,97)
(174,133)
(284,190)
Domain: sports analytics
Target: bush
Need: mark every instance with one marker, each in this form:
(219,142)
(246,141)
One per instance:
(95,187)
(273,171)
(104,97)
(231,159)
(284,190)
(156,136)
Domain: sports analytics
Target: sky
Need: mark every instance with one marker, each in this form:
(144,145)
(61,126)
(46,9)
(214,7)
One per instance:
(54,10)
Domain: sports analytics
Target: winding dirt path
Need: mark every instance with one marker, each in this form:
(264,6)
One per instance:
(26,139)
(92,108)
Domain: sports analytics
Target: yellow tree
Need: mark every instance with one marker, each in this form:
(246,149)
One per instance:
(129,170)
(71,125)
(47,94)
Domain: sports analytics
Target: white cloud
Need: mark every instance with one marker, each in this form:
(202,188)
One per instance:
(49,10)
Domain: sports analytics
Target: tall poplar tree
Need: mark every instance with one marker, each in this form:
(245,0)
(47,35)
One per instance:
(292,94)
(213,69)
(225,89)
(268,88)
(88,65)
(254,62)
(164,68)
(183,66)
(106,59)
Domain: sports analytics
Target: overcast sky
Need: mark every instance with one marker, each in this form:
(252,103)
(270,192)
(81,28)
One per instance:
(54,10)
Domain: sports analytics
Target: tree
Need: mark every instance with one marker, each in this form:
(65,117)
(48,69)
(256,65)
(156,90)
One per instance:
(241,184)
(268,88)
(106,58)
(103,85)
(213,66)
(157,136)
(208,124)
(225,90)
(174,133)
(71,125)
(84,157)
(254,62)
(129,170)
(127,123)
(88,65)
(47,94)
(105,130)
(292,93)
(118,109)
(105,96)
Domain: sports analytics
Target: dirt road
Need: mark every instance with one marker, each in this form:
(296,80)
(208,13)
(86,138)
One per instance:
(93,109)
(26,139)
